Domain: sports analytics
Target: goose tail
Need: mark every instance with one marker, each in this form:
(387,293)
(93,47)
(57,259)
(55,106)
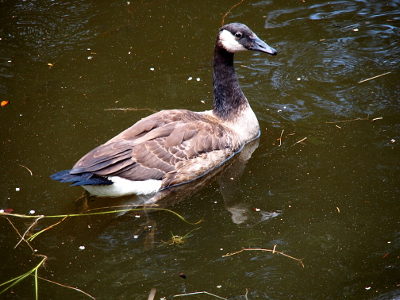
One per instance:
(80,179)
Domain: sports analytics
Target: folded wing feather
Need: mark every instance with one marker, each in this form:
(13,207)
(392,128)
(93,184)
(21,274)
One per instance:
(156,146)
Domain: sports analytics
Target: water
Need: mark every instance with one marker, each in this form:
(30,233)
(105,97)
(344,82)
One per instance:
(322,185)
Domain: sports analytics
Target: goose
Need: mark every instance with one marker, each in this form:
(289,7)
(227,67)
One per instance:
(173,147)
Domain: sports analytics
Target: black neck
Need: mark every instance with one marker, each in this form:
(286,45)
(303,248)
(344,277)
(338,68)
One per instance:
(228,96)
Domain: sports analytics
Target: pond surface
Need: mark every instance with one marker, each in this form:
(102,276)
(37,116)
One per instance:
(322,184)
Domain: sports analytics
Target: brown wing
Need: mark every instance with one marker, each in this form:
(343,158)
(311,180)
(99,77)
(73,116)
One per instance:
(167,146)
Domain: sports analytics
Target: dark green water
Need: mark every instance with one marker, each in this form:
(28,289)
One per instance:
(323,184)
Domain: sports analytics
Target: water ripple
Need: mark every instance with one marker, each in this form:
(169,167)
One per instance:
(46,30)
(341,43)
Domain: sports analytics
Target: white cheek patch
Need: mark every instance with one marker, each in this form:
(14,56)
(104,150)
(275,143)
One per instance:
(229,42)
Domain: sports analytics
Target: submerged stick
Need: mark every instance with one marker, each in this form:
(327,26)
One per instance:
(16,280)
(353,120)
(368,79)
(47,228)
(97,213)
(37,218)
(152,294)
(131,109)
(273,251)
(29,228)
(223,18)
(16,230)
(27,169)
(302,140)
(66,286)
(197,293)
(280,138)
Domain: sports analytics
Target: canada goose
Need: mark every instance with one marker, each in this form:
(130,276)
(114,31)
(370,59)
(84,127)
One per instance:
(173,147)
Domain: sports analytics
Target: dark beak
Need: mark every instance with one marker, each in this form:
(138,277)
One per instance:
(259,45)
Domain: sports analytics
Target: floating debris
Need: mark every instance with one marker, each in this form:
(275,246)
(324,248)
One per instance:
(374,77)
(30,172)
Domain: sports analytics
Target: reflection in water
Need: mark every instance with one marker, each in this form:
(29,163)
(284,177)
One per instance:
(325,49)
(243,212)
(347,41)
(228,176)
(46,31)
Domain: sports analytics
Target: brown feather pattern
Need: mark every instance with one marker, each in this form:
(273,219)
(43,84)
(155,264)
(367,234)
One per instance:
(177,146)
(158,146)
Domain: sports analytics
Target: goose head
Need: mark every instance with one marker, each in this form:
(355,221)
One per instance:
(237,37)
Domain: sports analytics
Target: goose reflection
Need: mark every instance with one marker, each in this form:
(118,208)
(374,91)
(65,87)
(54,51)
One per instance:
(228,175)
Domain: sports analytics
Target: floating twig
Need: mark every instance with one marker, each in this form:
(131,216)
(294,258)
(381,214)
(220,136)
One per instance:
(280,138)
(66,286)
(47,228)
(177,239)
(353,120)
(368,79)
(34,272)
(16,280)
(152,294)
(131,109)
(245,295)
(29,228)
(19,233)
(198,293)
(98,213)
(237,4)
(27,169)
(269,250)
(302,140)
(37,218)
(374,119)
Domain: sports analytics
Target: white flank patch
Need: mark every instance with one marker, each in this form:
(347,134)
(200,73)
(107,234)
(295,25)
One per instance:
(123,187)
(229,42)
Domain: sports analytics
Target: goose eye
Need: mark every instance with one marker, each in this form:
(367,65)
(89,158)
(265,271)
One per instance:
(238,35)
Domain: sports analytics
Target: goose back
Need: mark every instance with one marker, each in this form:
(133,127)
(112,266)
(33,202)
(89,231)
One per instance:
(173,146)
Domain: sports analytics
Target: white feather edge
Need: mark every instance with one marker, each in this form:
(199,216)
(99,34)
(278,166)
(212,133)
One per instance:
(122,187)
